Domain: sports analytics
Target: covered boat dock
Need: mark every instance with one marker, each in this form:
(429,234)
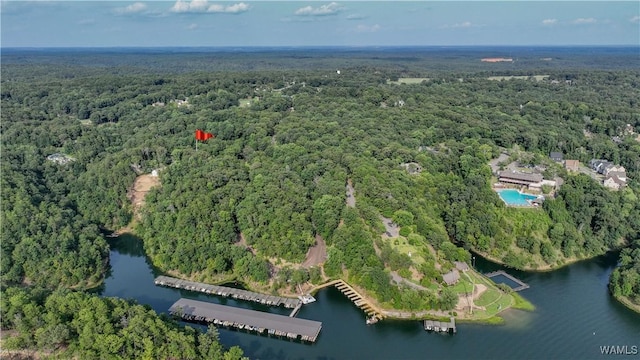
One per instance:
(250,320)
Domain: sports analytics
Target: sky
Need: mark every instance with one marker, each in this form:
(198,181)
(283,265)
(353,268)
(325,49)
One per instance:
(313,23)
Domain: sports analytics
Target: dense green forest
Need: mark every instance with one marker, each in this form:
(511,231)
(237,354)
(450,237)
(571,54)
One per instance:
(625,280)
(290,135)
(68,324)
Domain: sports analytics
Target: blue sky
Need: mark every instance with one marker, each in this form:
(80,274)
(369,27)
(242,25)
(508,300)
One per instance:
(312,23)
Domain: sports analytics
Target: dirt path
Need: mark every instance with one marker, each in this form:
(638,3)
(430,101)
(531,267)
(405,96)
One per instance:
(243,243)
(141,186)
(466,302)
(399,279)
(317,254)
(351,197)
(392,230)
(139,190)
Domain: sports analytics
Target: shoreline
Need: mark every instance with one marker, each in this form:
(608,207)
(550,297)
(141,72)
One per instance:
(627,303)
(420,315)
(543,269)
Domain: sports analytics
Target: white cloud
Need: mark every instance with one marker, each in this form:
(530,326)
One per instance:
(581,21)
(356,17)
(549,22)
(465,24)
(229,9)
(202,6)
(635,19)
(367,28)
(134,8)
(323,10)
(192,26)
(190,6)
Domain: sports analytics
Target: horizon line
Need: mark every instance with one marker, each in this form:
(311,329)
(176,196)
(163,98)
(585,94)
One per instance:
(308,46)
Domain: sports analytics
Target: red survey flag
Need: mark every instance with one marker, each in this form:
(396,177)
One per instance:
(199,135)
(203,136)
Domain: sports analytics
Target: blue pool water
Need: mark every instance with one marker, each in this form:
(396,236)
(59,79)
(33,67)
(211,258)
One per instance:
(515,198)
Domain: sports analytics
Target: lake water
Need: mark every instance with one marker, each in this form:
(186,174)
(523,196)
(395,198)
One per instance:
(575,315)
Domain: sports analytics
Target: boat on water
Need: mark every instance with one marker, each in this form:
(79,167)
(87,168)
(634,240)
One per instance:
(306,299)
(371,320)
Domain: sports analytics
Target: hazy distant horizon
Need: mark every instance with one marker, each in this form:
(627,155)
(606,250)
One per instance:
(322,47)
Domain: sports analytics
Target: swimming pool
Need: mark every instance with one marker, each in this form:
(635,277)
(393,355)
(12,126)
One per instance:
(515,198)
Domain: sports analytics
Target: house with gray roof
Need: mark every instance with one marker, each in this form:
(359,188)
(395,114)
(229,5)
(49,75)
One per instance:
(451,277)
(556,156)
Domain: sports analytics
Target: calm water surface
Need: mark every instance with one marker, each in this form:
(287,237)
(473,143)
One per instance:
(574,316)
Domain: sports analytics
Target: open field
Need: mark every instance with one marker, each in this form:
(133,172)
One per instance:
(524,77)
(408,81)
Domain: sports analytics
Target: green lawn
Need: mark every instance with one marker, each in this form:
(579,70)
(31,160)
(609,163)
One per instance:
(463,286)
(488,297)
(403,247)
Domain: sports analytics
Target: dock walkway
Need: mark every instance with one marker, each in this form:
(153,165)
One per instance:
(356,298)
(521,284)
(227,292)
(250,320)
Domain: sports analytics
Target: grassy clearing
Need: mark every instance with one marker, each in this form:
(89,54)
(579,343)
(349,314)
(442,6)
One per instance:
(408,81)
(522,303)
(401,245)
(246,102)
(463,286)
(524,77)
(488,297)
(85,122)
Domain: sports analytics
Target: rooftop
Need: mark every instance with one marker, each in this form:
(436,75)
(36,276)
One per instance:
(521,176)
(258,319)
(451,277)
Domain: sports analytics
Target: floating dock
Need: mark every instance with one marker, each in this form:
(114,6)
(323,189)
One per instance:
(244,319)
(440,326)
(521,284)
(228,292)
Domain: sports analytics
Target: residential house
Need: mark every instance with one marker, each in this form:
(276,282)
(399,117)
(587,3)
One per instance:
(451,277)
(599,165)
(556,156)
(60,159)
(613,168)
(461,265)
(572,165)
(613,182)
(622,175)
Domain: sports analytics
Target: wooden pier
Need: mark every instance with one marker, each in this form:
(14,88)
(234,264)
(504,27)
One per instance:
(441,326)
(250,320)
(224,291)
(521,284)
(295,310)
(374,314)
